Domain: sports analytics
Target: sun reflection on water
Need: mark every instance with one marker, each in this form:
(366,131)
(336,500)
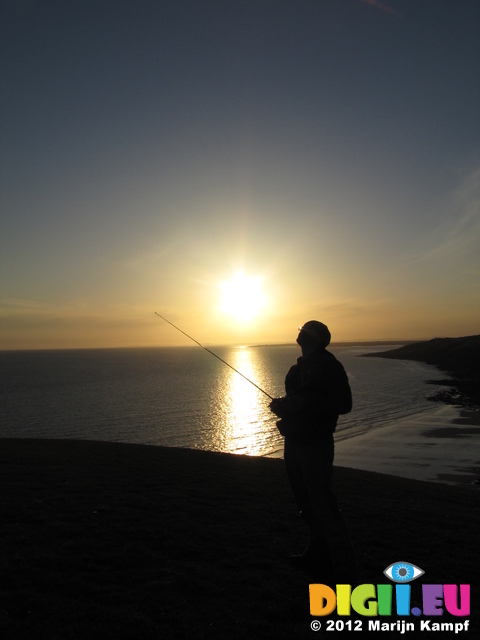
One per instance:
(247,416)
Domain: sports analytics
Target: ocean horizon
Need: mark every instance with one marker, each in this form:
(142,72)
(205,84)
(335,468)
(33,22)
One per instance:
(184,397)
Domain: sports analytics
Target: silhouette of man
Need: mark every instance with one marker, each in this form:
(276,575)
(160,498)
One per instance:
(317,392)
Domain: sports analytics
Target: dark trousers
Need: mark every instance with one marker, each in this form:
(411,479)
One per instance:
(310,470)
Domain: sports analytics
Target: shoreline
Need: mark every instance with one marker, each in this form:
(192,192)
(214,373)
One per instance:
(438,445)
(417,447)
(441,445)
(457,357)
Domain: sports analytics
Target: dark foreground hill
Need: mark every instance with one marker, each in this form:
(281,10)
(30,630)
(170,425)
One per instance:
(131,542)
(460,357)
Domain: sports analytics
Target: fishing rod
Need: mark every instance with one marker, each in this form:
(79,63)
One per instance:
(215,355)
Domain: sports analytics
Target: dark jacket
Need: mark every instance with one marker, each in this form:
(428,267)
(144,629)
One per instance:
(318,391)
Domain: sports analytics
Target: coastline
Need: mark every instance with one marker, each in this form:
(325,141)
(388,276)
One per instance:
(458,357)
(441,445)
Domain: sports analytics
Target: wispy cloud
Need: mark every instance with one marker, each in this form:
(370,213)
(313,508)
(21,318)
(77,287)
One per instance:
(381,6)
(457,237)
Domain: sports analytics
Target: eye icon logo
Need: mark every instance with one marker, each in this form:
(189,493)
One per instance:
(403,572)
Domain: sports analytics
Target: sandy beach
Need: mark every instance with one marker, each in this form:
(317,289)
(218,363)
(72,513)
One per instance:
(132,541)
(442,445)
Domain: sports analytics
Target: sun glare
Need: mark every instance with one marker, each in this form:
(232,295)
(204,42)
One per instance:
(242,297)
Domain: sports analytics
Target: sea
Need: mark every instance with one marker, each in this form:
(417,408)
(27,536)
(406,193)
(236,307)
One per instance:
(185,397)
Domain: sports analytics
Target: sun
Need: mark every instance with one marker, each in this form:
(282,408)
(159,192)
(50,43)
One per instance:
(242,297)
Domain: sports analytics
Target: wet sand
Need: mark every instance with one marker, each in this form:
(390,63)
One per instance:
(442,445)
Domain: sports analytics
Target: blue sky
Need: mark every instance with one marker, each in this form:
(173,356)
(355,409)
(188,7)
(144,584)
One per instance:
(151,149)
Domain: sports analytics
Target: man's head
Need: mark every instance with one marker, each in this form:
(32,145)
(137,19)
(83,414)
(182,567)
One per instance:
(313,334)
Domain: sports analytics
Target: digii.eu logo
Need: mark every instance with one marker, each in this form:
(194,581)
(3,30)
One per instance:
(369,600)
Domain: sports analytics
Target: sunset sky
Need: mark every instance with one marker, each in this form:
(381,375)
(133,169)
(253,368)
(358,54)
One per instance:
(240,167)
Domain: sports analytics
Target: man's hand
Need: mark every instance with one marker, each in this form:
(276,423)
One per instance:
(276,406)
(285,407)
